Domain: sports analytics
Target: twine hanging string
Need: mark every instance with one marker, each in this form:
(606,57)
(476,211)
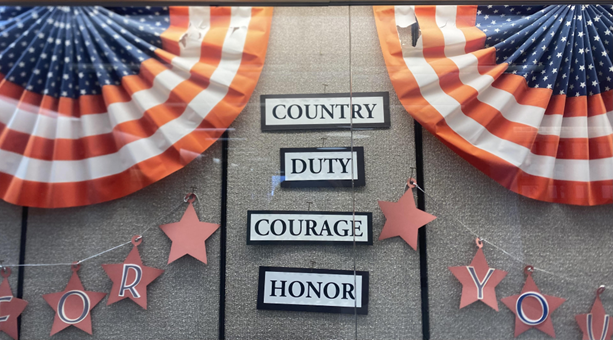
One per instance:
(495,246)
(189,197)
(193,196)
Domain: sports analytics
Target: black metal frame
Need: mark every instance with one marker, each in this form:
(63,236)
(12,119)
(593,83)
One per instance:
(310,308)
(332,183)
(280,3)
(349,240)
(311,127)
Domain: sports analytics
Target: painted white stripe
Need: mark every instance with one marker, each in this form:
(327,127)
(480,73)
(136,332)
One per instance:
(96,167)
(191,41)
(467,63)
(405,16)
(477,135)
(551,125)
(455,42)
(505,102)
(577,127)
(50,125)
(600,125)
(574,127)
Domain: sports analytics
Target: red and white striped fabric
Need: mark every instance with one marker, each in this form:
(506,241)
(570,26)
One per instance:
(63,151)
(555,147)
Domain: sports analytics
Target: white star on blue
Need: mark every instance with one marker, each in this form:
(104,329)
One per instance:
(73,51)
(565,48)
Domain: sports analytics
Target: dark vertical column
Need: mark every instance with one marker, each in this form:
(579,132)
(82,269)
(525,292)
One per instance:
(423,246)
(22,259)
(421,204)
(224,233)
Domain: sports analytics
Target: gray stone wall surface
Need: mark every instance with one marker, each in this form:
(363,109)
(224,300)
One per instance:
(395,311)
(309,47)
(10,239)
(183,302)
(571,242)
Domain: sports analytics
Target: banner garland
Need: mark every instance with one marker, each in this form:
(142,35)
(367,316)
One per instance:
(189,235)
(596,325)
(10,306)
(73,305)
(531,308)
(478,280)
(130,278)
(403,218)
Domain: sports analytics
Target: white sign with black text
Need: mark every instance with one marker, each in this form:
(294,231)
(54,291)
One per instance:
(322,167)
(313,290)
(308,227)
(325,111)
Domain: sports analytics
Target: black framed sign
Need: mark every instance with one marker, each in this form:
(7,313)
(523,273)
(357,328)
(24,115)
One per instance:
(323,111)
(313,290)
(322,167)
(270,227)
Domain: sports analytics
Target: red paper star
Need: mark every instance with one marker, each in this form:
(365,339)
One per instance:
(535,309)
(188,236)
(73,305)
(479,281)
(596,324)
(10,306)
(403,219)
(131,278)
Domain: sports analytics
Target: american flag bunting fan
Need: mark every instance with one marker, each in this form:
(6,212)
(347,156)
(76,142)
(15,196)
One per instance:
(97,103)
(523,93)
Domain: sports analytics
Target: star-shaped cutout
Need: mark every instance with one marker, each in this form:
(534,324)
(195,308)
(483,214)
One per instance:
(403,219)
(596,324)
(188,236)
(479,281)
(131,278)
(10,306)
(73,305)
(534,309)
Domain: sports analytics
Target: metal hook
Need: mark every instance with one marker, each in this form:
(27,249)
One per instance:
(3,268)
(309,203)
(600,290)
(191,198)
(529,270)
(137,240)
(479,242)
(323,141)
(410,184)
(5,272)
(325,86)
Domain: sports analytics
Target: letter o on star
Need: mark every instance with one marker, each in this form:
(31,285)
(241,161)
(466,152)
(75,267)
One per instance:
(544,307)
(61,312)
